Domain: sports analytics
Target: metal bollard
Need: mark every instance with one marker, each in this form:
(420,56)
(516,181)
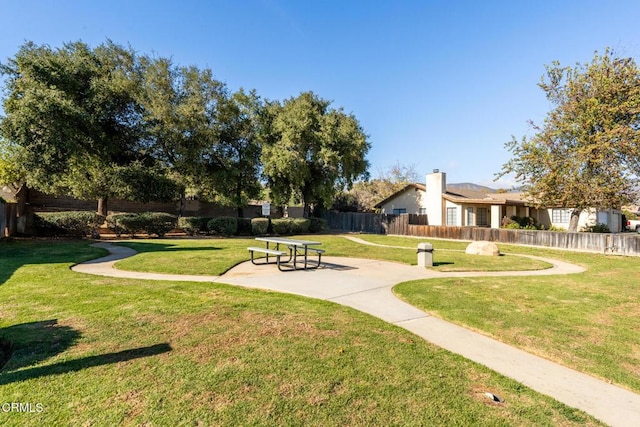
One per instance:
(425,255)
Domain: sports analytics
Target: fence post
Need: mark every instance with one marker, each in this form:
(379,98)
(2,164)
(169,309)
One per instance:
(3,220)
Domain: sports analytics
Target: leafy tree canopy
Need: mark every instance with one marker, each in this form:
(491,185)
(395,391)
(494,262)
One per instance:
(587,152)
(311,151)
(238,127)
(75,113)
(106,122)
(11,173)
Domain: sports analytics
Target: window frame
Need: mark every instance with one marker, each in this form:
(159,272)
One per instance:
(482,217)
(560,216)
(452,216)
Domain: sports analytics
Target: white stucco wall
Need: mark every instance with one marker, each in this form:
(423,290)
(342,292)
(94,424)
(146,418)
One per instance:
(496,217)
(412,200)
(611,217)
(436,186)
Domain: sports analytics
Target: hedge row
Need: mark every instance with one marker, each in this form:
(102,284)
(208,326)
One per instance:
(82,223)
(73,223)
(158,223)
(230,226)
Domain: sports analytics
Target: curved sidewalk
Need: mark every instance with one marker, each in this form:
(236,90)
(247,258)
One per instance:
(366,285)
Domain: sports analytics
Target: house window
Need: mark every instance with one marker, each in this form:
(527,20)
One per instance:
(482,217)
(422,211)
(560,216)
(451,216)
(470,216)
(399,211)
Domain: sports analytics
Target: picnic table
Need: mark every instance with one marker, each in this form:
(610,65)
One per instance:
(296,249)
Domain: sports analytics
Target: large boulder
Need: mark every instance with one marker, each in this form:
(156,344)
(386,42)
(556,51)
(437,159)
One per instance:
(483,248)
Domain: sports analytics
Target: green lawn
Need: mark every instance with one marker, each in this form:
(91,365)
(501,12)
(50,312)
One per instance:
(585,321)
(103,351)
(215,256)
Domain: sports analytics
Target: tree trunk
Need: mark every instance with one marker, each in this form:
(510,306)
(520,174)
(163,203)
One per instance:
(573,222)
(183,204)
(22,198)
(102,206)
(239,201)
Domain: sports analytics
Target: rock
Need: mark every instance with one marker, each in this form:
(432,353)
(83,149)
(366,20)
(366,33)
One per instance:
(483,248)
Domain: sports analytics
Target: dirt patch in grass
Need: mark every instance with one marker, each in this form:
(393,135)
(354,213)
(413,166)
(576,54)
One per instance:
(207,336)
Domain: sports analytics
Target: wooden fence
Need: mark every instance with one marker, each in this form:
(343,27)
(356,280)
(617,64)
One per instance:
(413,225)
(8,219)
(359,222)
(3,220)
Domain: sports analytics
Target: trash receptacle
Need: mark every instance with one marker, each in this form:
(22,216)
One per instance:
(425,255)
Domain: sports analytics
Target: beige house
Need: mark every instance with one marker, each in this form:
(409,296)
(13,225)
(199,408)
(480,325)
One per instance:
(446,205)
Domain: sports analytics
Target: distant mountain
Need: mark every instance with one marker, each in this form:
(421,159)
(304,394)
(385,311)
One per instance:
(472,187)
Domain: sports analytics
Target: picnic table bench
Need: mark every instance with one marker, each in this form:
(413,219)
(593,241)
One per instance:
(296,249)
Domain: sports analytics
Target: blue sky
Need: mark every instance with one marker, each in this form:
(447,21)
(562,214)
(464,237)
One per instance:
(435,84)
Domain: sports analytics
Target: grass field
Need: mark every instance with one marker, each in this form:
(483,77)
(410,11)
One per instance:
(102,351)
(586,321)
(215,256)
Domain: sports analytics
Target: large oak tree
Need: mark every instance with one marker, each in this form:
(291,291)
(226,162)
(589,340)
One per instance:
(238,149)
(180,109)
(311,151)
(586,154)
(75,113)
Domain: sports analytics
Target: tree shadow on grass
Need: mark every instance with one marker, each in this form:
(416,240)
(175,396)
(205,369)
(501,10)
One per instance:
(17,253)
(83,363)
(35,342)
(30,343)
(164,247)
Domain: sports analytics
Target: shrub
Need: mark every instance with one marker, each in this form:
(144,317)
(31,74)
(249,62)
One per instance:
(115,223)
(244,226)
(526,222)
(281,226)
(520,223)
(285,226)
(300,225)
(512,226)
(317,225)
(193,224)
(224,226)
(129,223)
(259,226)
(73,223)
(597,228)
(158,223)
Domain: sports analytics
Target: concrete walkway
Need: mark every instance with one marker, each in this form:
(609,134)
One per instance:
(366,285)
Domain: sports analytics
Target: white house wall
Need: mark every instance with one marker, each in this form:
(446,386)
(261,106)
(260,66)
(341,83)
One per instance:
(412,200)
(436,184)
(589,217)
